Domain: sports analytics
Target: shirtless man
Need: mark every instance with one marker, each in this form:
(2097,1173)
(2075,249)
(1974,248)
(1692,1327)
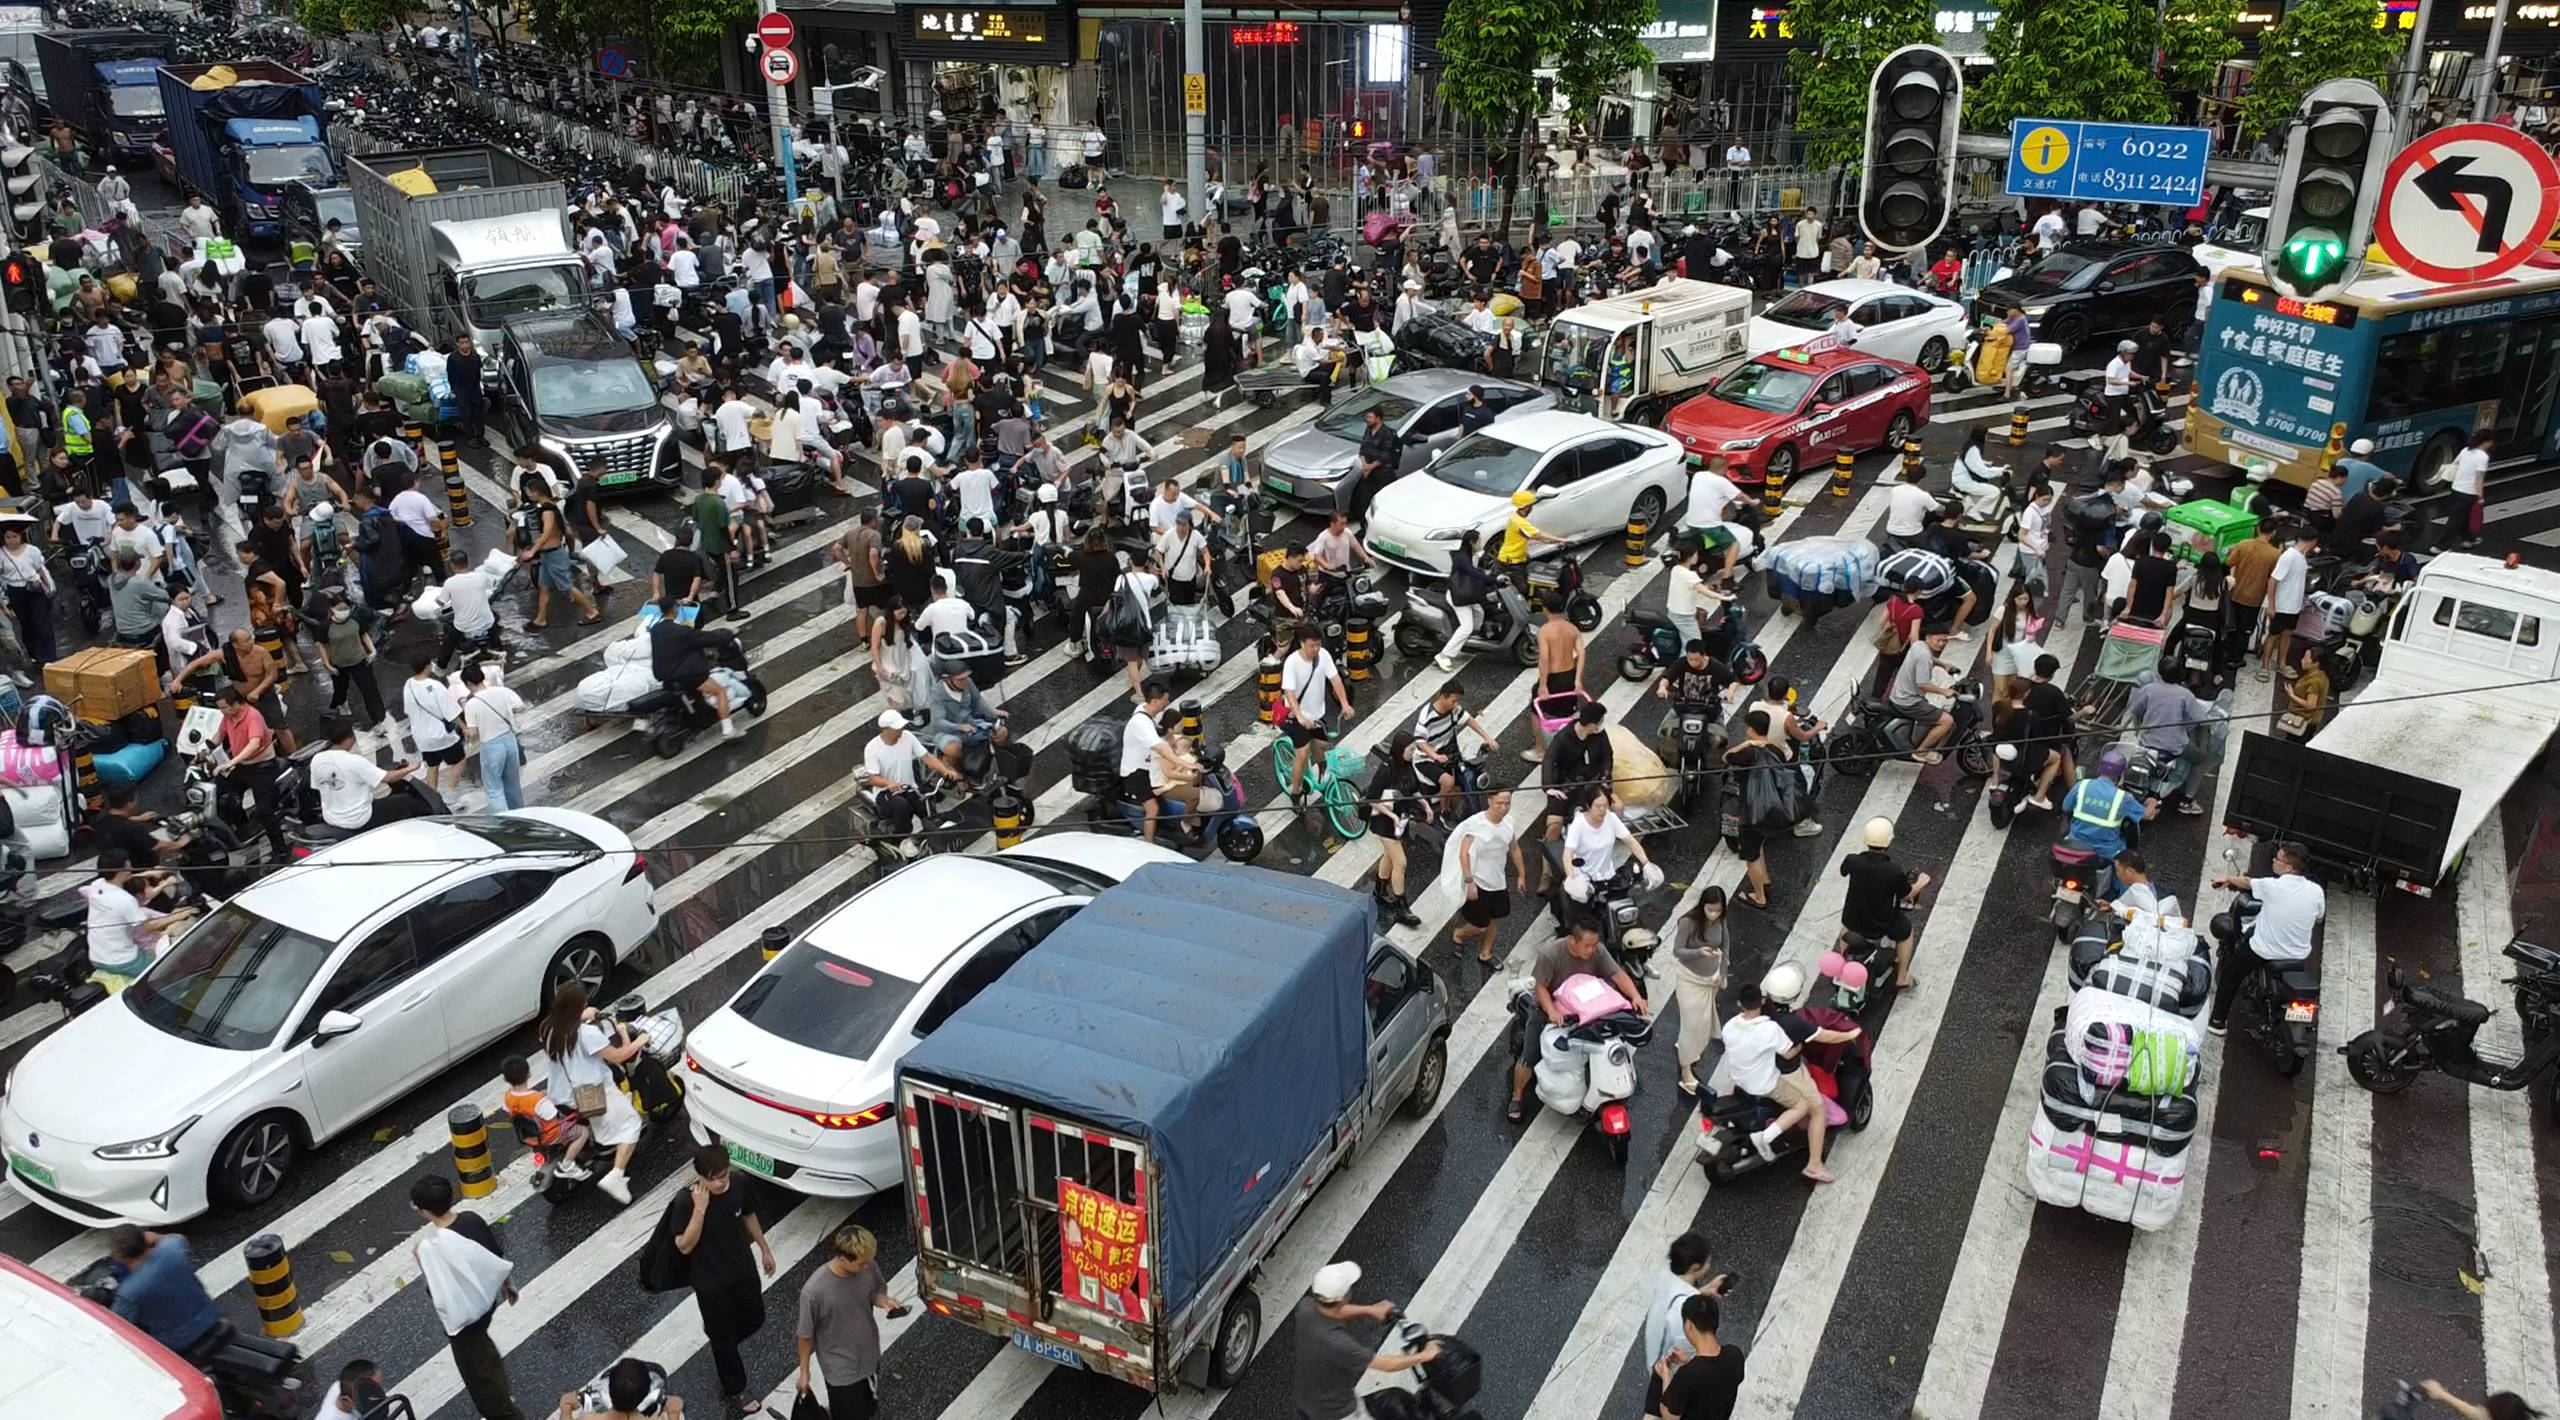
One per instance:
(1559,664)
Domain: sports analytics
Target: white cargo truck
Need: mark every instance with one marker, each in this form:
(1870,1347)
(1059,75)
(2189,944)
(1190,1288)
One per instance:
(1632,357)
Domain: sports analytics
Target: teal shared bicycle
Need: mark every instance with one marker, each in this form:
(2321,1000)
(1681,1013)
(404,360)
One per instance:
(1329,790)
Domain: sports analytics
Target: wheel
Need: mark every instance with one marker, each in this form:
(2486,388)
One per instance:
(1284,763)
(2532,1016)
(1617,1149)
(2288,1060)
(1583,610)
(1898,433)
(1428,1080)
(1241,840)
(1853,755)
(1750,663)
(1411,640)
(2379,1065)
(2164,440)
(1342,809)
(756,702)
(2068,331)
(1524,649)
(582,962)
(2433,472)
(1648,509)
(253,1163)
(1956,378)
(1863,1108)
(1239,1336)
(1975,758)
(1631,666)
(1933,356)
(1782,466)
(668,745)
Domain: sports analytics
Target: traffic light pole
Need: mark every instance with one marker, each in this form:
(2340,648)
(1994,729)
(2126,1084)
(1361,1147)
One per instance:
(2487,102)
(2413,69)
(777,107)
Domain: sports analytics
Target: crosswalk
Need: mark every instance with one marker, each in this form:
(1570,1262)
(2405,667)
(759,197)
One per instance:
(2321,1254)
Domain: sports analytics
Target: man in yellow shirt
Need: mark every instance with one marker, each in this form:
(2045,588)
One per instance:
(1517,534)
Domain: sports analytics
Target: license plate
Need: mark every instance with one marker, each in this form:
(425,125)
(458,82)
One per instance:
(2297,1011)
(35,1172)
(611,479)
(1392,549)
(1278,485)
(1048,1350)
(750,1160)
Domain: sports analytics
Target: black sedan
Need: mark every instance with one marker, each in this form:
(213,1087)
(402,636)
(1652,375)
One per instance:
(2091,289)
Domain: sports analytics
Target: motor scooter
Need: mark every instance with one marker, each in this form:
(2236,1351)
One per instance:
(2424,1027)
(2145,423)
(1503,625)
(1842,1077)
(1446,1385)
(1873,732)
(2278,1005)
(253,1376)
(1659,644)
(1587,1065)
(1692,742)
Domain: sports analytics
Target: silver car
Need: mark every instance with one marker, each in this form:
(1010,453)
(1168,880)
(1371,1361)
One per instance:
(1313,467)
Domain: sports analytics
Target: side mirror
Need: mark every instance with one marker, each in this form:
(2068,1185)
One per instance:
(334,1025)
(1417,440)
(2106,286)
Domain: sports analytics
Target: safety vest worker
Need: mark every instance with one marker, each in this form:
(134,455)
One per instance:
(2100,808)
(75,432)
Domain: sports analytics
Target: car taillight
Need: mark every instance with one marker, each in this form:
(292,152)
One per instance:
(639,868)
(824,1119)
(1613,1119)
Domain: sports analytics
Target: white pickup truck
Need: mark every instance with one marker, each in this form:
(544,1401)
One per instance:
(2391,789)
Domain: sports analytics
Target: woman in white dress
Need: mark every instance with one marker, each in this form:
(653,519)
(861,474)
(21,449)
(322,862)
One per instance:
(582,1052)
(941,297)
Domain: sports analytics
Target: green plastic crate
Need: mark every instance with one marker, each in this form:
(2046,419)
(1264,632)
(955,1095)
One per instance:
(2228,524)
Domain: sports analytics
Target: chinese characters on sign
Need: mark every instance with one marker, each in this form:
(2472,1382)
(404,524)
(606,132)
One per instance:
(2396,15)
(1100,1240)
(1771,23)
(1275,32)
(986,26)
(1965,22)
(2274,340)
(2280,376)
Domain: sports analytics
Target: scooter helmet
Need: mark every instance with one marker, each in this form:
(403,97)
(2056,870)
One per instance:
(1523,499)
(322,511)
(2111,764)
(1853,975)
(1783,985)
(1048,494)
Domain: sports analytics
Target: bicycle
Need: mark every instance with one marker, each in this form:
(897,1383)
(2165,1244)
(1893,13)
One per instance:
(1328,782)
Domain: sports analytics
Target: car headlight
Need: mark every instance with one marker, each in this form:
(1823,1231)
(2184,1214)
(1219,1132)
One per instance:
(159,1146)
(555,446)
(1455,534)
(1737,446)
(2034,312)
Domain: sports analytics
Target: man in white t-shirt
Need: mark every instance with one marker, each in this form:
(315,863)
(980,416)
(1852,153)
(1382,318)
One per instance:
(123,934)
(2470,483)
(346,781)
(420,520)
(1170,503)
(1483,848)
(2049,230)
(1764,1054)
(1173,203)
(2288,585)
(731,418)
(945,614)
(2290,907)
(1138,740)
(976,486)
(2092,220)
(1312,689)
(1908,509)
(1712,498)
(889,779)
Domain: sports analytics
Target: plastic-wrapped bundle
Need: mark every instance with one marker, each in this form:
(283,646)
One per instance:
(2164,1126)
(2124,1044)
(2181,986)
(610,691)
(630,650)
(2111,1178)
(1183,641)
(1093,753)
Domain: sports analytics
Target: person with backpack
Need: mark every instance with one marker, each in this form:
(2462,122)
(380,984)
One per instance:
(2088,519)
(1128,622)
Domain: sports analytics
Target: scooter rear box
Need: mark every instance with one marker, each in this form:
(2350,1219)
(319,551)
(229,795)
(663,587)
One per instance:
(2226,525)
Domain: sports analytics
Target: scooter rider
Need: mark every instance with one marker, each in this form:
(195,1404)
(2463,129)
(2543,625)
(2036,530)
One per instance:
(889,776)
(1764,1049)
(346,780)
(961,719)
(1697,678)
(680,657)
(2099,810)
(1712,497)
(1577,953)
(157,1289)
(1331,1356)
(1912,688)
(1881,893)
(2290,907)
(1978,481)
(1437,763)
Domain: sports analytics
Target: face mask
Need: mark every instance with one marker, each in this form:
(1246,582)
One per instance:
(341,614)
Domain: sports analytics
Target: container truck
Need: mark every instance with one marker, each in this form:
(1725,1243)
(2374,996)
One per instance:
(1105,1144)
(464,239)
(106,85)
(240,132)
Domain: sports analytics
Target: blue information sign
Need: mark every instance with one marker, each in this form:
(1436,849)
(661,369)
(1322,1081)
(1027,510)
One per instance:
(2107,162)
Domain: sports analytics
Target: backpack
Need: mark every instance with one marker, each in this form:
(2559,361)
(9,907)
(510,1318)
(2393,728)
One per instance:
(2091,515)
(1125,621)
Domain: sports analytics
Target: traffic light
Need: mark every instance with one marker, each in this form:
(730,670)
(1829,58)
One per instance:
(22,283)
(25,181)
(2335,151)
(1914,103)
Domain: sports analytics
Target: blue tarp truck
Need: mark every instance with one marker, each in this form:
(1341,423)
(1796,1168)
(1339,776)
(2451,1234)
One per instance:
(1105,1144)
(106,85)
(240,133)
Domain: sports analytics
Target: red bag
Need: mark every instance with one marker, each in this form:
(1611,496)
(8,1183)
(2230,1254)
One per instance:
(2479,510)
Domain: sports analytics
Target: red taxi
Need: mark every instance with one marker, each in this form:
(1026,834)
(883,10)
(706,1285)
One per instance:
(1776,414)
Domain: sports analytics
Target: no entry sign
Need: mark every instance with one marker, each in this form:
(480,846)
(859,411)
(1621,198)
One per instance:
(2467,202)
(777,31)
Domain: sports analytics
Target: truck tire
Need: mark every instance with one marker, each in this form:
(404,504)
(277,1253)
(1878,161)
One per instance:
(1239,1335)
(1428,1080)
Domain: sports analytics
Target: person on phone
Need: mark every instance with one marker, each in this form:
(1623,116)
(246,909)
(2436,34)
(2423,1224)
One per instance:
(839,1328)
(719,1227)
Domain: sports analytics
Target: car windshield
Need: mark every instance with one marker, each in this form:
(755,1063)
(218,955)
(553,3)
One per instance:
(1574,356)
(1776,389)
(295,162)
(1806,310)
(338,205)
(1481,463)
(509,834)
(2062,271)
(584,389)
(491,298)
(137,101)
(812,997)
(1344,419)
(231,983)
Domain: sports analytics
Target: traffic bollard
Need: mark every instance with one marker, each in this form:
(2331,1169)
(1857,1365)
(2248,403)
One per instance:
(1638,530)
(470,1132)
(1010,809)
(457,499)
(1844,469)
(772,940)
(1910,457)
(1773,498)
(1356,650)
(271,1283)
(1267,685)
(1191,720)
(2018,427)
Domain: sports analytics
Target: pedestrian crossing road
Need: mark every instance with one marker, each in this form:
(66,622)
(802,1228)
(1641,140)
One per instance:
(2331,1242)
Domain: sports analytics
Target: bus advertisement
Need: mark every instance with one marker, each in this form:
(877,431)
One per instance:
(2412,365)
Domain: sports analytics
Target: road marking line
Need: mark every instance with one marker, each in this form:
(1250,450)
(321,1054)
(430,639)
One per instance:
(2337,1215)
(2515,1294)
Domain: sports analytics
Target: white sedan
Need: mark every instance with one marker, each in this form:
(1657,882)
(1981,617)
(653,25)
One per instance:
(1590,477)
(302,1005)
(795,1075)
(1896,322)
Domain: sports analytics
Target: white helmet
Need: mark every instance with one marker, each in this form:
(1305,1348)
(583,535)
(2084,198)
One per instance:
(1783,985)
(321,512)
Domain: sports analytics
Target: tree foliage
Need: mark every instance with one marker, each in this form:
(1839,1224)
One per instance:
(2197,37)
(1491,51)
(1839,43)
(2316,41)
(329,17)
(684,36)
(2077,59)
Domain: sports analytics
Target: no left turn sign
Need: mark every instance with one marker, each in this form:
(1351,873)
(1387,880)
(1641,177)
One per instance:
(2467,202)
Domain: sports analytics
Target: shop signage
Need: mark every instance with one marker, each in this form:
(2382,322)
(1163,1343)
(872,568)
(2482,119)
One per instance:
(1682,31)
(988,34)
(1275,32)
(2396,15)
(2532,14)
(990,27)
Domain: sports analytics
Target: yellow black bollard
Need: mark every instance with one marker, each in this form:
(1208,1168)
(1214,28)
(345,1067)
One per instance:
(1356,649)
(1773,498)
(1910,457)
(2018,427)
(1191,720)
(457,499)
(1844,469)
(1010,809)
(1638,530)
(414,432)
(772,940)
(1267,685)
(471,1150)
(84,771)
(271,1282)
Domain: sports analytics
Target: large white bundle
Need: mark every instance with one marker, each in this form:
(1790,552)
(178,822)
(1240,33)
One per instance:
(2124,1043)
(610,691)
(41,819)
(630,650)
(2112,1179)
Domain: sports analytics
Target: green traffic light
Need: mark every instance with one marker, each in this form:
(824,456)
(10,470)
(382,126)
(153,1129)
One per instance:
(2313,254)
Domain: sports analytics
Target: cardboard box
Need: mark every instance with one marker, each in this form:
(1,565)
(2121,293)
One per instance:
(105,683)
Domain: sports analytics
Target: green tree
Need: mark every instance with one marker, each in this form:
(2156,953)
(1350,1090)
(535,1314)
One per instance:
(1840,42)
(329,17)
(2316,41)
(2084,59)
(1492,50)
(685,36)
(2197,37)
